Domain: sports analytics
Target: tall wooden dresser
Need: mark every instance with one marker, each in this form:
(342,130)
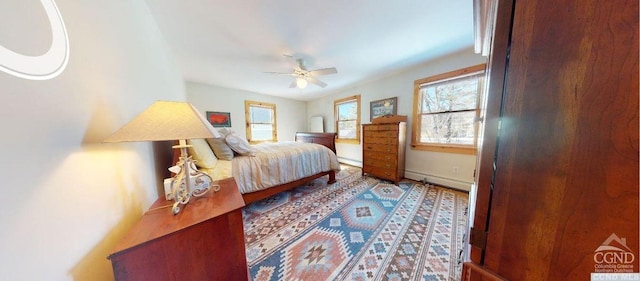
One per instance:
(383,149)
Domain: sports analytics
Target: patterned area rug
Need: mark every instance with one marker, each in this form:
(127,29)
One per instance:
(359,228)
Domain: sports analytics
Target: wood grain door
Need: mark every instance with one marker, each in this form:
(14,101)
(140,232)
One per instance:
(564,176)
(490,119)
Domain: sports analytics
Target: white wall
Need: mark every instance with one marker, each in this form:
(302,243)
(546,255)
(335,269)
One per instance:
(290,114)
(435,166)
(67,198)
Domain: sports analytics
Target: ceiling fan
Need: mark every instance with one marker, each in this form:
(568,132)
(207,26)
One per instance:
(303,76)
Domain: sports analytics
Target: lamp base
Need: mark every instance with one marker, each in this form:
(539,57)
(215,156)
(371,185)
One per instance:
(189,181)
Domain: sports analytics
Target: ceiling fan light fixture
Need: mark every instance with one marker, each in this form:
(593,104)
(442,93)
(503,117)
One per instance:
(302,76)
(301,83)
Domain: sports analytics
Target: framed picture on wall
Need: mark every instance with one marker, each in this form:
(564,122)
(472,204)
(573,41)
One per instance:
(219,119)
(383,107)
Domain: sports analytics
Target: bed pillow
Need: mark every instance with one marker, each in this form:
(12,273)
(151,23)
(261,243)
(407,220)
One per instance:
(239,144)
(201,152)
(220,148)
(225,131)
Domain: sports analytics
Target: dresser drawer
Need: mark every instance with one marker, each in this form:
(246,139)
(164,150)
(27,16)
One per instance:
(381,128)
(379,163)
(380,148)
(377,156)
(393,141)
(389,174)
(380,134)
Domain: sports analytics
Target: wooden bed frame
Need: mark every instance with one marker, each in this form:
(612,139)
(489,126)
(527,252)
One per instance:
(326,139)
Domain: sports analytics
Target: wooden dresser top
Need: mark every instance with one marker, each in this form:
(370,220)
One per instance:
(160,221)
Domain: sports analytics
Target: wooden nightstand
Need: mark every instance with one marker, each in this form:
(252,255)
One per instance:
(205,241)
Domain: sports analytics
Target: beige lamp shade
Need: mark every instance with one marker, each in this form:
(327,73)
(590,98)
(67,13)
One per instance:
(166,120)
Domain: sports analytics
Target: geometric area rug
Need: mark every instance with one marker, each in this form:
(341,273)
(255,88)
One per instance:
(359,228)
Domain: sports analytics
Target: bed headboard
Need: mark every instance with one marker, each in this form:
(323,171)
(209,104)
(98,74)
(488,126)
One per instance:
(326,139)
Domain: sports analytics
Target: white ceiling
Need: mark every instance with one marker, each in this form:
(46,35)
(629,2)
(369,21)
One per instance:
(233,43)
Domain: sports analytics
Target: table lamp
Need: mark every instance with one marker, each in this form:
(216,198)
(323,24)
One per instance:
(165,120)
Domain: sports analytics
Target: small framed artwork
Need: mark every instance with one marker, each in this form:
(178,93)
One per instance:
(383,107)
(219,119)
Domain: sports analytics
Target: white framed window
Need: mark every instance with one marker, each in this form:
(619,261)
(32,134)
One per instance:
(347,116)
(446,109)
(261,121)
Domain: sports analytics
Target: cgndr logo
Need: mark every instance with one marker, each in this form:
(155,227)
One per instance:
(45,66)
(614,256)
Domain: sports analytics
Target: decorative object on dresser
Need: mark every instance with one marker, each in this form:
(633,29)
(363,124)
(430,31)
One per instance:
(383,107)
(383,147)
(165,120)
(203,242)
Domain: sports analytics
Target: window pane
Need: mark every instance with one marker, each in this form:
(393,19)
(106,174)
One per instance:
(347,111)
(448,128)
(261,132)
(261,114)
(347,129)
(459,94)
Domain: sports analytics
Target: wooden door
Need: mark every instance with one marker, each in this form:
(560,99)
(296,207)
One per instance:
(566,157)
(490,117)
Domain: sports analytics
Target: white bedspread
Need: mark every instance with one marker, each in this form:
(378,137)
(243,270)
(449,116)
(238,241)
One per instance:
(277,163)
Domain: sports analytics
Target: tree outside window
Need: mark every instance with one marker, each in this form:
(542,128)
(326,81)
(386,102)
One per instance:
(445,111)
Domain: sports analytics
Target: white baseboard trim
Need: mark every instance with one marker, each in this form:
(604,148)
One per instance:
(350,162)
(443,181)
(418,176)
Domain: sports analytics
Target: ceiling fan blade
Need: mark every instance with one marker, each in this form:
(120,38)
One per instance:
(300,71)
(283,73)
(323,71)
(316,81)
(301,65)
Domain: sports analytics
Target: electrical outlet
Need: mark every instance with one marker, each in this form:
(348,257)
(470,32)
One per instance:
(456,170)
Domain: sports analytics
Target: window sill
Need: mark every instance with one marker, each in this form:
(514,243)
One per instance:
(459,149)
(262,141)
(350,141)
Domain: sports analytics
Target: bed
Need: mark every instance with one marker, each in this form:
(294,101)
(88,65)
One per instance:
(271,168)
